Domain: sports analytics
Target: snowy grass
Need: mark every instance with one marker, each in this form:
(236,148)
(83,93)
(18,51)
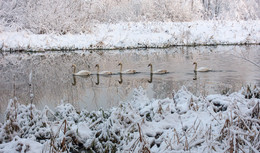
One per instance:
(186,123)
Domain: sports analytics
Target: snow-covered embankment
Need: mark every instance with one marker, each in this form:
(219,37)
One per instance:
(133,35)
(186,123)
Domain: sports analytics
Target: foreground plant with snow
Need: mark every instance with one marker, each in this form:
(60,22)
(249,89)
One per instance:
(185,123)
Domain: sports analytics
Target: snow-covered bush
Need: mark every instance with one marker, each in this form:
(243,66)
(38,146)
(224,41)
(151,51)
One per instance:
(185,123)
(78,16)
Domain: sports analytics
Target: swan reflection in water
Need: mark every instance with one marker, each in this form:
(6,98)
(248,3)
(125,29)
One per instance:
(97,83)
(195,75)
(120,81)
(74,80)
(151,78)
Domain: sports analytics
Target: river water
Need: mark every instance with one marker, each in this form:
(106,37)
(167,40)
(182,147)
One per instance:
(52,83)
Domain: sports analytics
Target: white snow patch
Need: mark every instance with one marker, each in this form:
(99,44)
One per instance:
(21,145)
(138,34)
(186,123)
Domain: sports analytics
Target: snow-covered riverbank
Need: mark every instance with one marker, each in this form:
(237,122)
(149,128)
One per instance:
(186,123)
(133,35)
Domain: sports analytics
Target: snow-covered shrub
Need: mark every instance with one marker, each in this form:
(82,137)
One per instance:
(79,16)
(24,121)
(185,123)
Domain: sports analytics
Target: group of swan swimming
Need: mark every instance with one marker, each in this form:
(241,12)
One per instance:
(131,71)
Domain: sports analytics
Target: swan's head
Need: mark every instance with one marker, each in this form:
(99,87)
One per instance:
(119,63)
(149,64)
(194,63)
(73,65)
(97,65)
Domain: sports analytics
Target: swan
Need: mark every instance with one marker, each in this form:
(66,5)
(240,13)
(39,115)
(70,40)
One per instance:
(80,73)
(201,69)
(129,71)
(103,72)
(158,71)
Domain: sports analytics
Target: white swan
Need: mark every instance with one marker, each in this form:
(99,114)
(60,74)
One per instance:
(129,71)
(103,72)
(157,71)
(201,69)
(80,73)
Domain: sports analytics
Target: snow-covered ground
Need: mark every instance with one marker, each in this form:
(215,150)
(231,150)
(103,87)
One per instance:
(138,34)
(185,123)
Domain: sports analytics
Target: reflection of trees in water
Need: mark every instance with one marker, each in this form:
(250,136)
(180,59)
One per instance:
(162,89)
(95,97)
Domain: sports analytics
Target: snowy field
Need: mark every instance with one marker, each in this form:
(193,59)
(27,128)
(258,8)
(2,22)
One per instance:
(138,34)
(184,123)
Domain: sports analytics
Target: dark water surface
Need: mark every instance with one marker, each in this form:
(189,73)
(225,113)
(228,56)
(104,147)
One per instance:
(52,81)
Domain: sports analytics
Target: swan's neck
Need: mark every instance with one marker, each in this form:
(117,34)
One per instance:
(195,69)
(151,69)
(121,68)
(97,69)
(74,69)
